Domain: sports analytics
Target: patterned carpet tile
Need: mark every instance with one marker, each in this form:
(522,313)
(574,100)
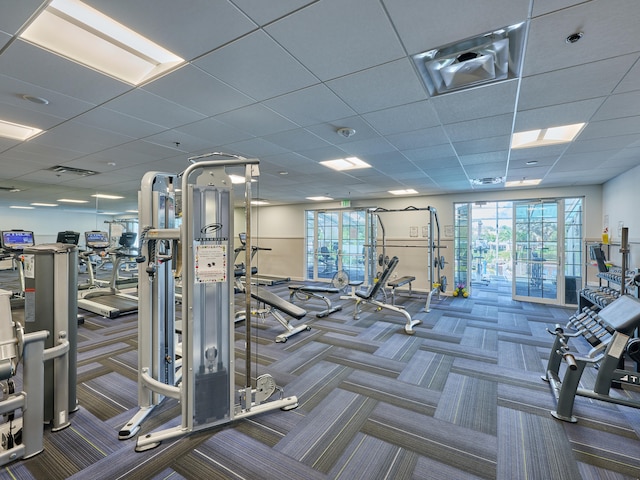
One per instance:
(392,391)
(458,447)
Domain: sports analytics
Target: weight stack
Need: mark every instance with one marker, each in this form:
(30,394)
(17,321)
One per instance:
(51,303)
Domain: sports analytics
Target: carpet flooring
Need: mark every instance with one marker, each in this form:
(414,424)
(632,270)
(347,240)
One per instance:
(460,399)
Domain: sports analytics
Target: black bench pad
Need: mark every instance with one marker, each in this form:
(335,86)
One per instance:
(398,282)
(273,300)
(314,288)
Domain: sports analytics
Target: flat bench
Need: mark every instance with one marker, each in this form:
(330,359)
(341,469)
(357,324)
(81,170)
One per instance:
(277,305)
(399,282)
(307,292)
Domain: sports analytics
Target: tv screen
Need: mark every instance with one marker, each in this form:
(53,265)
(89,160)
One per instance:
(96,239)
(69,237)
(17,239)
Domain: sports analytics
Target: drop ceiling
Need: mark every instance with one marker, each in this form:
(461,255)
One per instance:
(276,80)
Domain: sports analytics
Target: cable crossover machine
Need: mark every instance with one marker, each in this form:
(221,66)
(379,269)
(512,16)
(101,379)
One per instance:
(435,261)
(199,372)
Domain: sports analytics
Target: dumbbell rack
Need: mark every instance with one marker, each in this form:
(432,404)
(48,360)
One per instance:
(608,331)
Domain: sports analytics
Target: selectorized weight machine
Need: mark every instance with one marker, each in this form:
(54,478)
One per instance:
(199,372)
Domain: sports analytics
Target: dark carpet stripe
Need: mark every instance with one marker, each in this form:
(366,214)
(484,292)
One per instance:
(428,369)
(469,402)
(327,430)
(392,391)
(534,446)
(456,446)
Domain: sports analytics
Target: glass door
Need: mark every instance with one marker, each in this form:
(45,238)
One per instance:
(537,254)
(335,241)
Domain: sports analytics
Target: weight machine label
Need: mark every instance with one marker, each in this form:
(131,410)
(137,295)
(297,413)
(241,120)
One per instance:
(626,377)
(210,263)
(29,265)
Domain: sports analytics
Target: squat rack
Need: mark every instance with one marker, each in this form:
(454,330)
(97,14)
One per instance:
(435,262)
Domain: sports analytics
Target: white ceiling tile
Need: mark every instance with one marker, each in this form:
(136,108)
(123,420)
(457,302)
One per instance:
(257,120)
(263,12)
(199,91)
(153,109)
(333,38)
(412,116)
(383,86)
(620,105)
(572,84)
(480,128)
(188,29)
(481,102)
(257,55)
(418,138)
(427,25)
(548,50)
(555,115)
(310,106)
(215,131)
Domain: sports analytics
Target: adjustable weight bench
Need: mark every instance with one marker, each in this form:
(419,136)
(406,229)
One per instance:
(277,305)
(369,297)
(306,292)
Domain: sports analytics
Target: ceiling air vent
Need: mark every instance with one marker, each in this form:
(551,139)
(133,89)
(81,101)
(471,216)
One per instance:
(488,58)
(81,172)
(487,181)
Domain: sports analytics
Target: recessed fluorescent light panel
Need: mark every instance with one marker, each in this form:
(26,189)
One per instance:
(406,191)
(80,33)
(21,207)
(16,131)
(71,200)
(35,204)
(259,202)
(109,197)
(546,136)
(523,183)
(237,179)
(319,199)
(349,163)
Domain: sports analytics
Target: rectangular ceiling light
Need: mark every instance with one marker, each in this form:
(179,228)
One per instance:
(319,199)
(238,179)
(71,200)
(109,197)
(16,131)
(406,191)
(36,204)
(546,136)
(80,33)
(349,163)
(259,202)
(21,207)
(525,182)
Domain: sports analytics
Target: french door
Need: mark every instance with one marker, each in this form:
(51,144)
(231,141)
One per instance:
(336,241)
(537,248)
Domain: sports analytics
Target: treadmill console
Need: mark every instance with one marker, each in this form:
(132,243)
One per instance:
(69,237)
(96,239)
(16,240)
(243,238)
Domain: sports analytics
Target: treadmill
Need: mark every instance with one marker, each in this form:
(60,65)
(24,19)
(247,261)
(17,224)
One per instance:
(110,301)
(12,243)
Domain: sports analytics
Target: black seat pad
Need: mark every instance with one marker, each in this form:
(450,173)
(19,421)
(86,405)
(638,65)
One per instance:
(273,300)
(314,288)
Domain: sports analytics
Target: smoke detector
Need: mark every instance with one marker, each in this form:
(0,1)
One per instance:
(346,132)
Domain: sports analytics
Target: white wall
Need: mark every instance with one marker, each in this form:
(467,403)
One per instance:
(46,223)
(619,209)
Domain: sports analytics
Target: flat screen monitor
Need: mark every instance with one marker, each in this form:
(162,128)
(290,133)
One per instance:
(72,238)
(96,239)
(17,239)
(128,239)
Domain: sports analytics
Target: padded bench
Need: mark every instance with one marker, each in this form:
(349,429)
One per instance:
(277,305)
(399,282)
